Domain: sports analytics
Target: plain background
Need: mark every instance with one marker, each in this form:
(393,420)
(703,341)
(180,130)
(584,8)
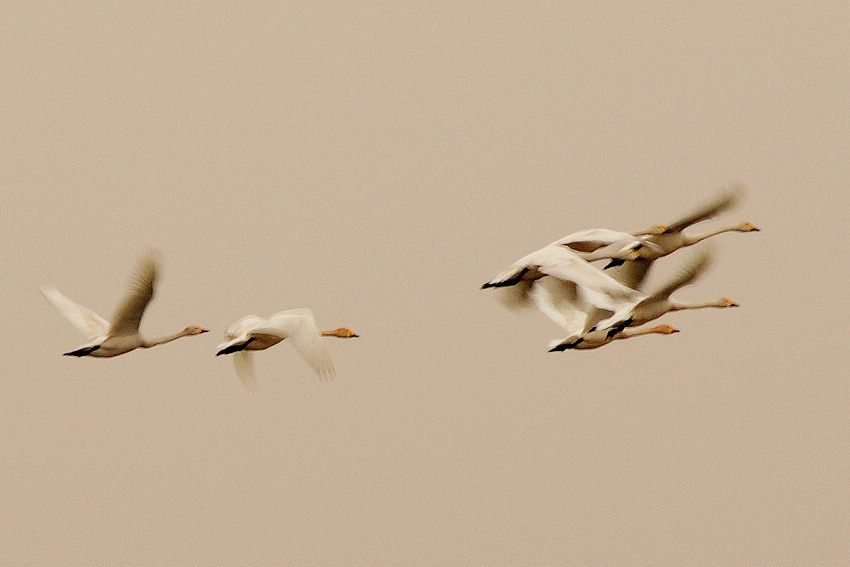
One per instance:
(377,163)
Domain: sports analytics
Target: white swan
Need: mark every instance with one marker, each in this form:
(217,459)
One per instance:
(671,241)
(592,284)
(658,303)
(669,238)
(666,239)
(596,339)
(122,334)
(255,333)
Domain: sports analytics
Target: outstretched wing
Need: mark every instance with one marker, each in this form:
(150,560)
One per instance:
(559,301)
(685,276)
(92,325)
(725,201)
(593,239)
(299,326)
(129,313)
(243,362)
(594,285)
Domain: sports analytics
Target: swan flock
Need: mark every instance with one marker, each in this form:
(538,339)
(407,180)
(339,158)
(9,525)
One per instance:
(594,303)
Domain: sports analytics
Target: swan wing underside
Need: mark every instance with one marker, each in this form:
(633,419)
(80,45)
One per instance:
(92,325)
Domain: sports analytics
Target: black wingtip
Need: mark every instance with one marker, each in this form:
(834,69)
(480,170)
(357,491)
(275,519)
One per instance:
(82,351)
(614,263)
(564,346)
(235,348)
(230,349)
(619,327)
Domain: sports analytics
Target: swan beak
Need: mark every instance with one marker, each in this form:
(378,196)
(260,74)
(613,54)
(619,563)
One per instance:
(354,335)
(752,227)
(202,330)
(635,254)
(730,303)
(674,330)
(663,229)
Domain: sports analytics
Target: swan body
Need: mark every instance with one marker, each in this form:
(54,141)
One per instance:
(596,339)
(121,335)
(664,244)
(255,333)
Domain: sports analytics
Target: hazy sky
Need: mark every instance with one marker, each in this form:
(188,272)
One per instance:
(378,163)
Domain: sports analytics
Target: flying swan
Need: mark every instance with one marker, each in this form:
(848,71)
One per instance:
(255,333)
(666,239)
(122,334)
(658,303)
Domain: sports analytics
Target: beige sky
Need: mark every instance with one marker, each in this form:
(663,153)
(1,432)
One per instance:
(378,164)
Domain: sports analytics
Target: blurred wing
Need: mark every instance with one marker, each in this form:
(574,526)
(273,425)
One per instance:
(685,276)
(516,296)
(92,325)
(725,201)
(129,313)
(243,362)
(632,273)
(299,326)
(597,287)
(242,326)
(559,301)
(593,239)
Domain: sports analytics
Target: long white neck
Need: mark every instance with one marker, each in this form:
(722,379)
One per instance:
(166,339)
(635,332)
(677,305)
(690,240)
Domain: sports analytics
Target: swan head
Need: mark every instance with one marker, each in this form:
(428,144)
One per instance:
(664,329)
(341,333)
(659,229)
(653,230)
(746,227)
(189,331)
